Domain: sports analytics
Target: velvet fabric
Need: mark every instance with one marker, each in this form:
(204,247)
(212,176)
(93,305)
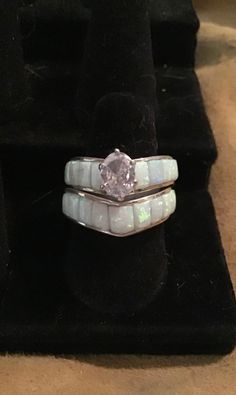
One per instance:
(194,313)
(115,107)
(55,295)
(182,125)
(49,30)
(13,92)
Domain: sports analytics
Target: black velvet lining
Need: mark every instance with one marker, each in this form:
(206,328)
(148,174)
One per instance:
(115,106)
(195,313)
(53,302)
(49,29)
(182,124)
(13,90)
(39,312)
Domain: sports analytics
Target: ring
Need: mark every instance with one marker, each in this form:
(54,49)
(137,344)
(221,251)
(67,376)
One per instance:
(120,177)
(118,218)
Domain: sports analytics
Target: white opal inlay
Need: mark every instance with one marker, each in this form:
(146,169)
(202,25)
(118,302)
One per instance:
(173,170)
(142,214)
(167,204)
(84,174)
(74,172)
(67,173)
(157,209)
(65,204)
(166,169)
(79,172)
(141,174)
(85,210)
(70,205)
(172,197)
(119,181)
(121,219)
(170,169)
(156,171)
(96,179)
(100,217)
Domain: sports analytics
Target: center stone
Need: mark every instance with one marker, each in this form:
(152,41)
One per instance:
(117,172)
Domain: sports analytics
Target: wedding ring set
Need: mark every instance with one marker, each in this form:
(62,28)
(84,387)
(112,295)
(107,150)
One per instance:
(118,195)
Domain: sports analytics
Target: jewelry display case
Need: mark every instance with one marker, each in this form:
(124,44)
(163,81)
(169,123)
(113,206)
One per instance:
(75,85)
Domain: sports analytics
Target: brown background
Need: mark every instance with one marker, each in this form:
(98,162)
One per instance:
(190,375)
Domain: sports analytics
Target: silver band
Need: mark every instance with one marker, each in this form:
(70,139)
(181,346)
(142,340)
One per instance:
(118,218)
(151,173)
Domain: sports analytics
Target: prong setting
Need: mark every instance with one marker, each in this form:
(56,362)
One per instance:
(100,166)
(118,176)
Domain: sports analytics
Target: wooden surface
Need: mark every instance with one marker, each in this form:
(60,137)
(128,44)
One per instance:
(190,375)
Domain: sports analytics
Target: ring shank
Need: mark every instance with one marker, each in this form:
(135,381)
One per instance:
(150,173)
(119,219)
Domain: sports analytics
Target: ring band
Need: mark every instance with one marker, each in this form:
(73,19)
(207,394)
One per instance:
(118,218)
(95,175)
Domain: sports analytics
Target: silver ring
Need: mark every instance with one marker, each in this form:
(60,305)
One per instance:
(119,177)
(118,218)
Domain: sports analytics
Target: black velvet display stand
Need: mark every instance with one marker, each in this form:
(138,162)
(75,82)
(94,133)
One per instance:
(117,94)
(13,83)
(68,289)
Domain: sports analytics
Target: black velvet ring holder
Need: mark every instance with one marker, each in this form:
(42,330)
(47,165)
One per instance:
(13,84)
(67,289)
(117,275)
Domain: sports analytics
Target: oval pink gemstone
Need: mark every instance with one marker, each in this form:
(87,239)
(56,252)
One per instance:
(117,172)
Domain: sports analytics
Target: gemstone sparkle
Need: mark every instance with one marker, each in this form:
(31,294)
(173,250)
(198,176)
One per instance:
(118,175)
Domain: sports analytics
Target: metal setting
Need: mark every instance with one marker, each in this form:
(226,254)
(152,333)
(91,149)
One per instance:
(135,192)
(120,196)
(107,232)
(131,196)
(95,159)
(113,203)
